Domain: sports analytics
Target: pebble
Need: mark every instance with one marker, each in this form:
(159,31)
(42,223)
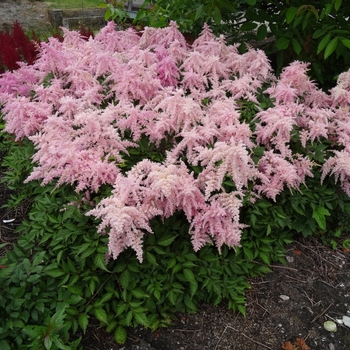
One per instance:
(290,259)
(330,326)
(284,297)
(346,321)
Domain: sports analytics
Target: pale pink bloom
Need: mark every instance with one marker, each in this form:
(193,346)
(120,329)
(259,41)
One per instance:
(275,127)
(277,172)
(339,166)
(225,159)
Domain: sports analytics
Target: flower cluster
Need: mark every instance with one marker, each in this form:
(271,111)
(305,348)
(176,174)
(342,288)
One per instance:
(87,105)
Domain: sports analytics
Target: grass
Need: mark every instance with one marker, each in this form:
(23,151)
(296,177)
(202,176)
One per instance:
(71,4)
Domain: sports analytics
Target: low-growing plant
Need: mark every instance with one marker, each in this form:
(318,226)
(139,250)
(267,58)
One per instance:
(196,158)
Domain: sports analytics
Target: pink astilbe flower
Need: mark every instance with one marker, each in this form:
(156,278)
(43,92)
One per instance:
(153,37)
(276,172)
(110,40)
(225,159)
(177,112)
(150,189)
(24,117)
(127,225)
(215,223)
(168,72)
(341,92)
(131,81)
(339,166)
(275,127)
(77,151)
(154,189)
(294,85)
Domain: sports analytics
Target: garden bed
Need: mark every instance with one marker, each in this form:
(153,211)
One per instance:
(293,301)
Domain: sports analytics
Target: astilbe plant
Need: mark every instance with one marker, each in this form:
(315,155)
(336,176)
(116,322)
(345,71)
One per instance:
(89,105)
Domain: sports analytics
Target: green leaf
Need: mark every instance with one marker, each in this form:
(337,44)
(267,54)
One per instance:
(319,214)
(248,253)
(200,11)
(54,272)
(75,289)
(262,32)
(290,14)
(171,263)
(88,252)
(138,293)
(189,276)
(100,262)
(4,345)
(125,279)
(58,342)
(323,43)
(337,4)
(296,46)
(241,309)
(121,308)
(101,315)
(251,2)
(189,303)
(248,26)
(346,42)
(141,319)
(38,258)
(263,204)
(83,320)
(265,257)
(193,289)
(172,296)
(217,15)
(167,240)
(120,335)
(47,342)
(282,43)
(318,33)
(151,259)
(108,14)
(331,47)
(227,4)
(156,294)
(112,326)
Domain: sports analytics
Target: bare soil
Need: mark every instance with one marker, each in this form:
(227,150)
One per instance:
(286,309)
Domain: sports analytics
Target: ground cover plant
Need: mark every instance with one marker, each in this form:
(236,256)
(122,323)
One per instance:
(162,175)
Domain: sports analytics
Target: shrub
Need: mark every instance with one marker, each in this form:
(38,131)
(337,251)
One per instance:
(163,148)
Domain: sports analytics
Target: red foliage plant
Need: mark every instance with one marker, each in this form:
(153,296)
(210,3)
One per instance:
(15,46)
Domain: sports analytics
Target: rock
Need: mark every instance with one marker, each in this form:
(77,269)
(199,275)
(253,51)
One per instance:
(330,326)
(346,321)
(284,297)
